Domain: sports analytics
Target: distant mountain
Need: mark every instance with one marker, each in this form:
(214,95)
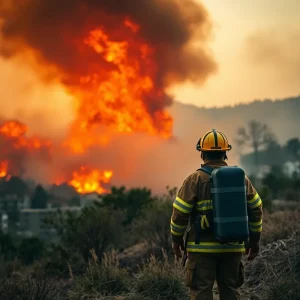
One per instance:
(282,116)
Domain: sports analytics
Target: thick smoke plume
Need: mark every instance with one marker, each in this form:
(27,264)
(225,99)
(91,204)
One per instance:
(53,28)
(116,58)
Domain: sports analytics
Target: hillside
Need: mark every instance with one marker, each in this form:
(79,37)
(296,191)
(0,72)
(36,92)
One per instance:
(283,116)
(191,122)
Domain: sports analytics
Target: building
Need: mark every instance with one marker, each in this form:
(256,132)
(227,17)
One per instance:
(4,223)
(10,207)
(89,199)
(33,222)
(12,202)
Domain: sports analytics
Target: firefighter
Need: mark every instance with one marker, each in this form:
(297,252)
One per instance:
(210,260)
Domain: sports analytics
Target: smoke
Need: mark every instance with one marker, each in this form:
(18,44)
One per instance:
(52,29)
(48,37)
(276,51)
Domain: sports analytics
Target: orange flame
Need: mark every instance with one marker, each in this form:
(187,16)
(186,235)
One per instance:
(17,147)
(115,60)
(114,95)
(16,131)
(3,168)
(87,180)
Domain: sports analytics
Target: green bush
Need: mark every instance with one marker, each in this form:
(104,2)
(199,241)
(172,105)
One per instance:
(153,227)
(30,250)
(265,195)
(58,261)
(96,227)
(105,279)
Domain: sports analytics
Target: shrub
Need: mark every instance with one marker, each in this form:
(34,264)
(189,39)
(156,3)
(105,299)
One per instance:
(161,280)
(153,227)
(7,268)
(98,228)
(279,225)
(32,287)
(103,279)
(30,249)
(284,289)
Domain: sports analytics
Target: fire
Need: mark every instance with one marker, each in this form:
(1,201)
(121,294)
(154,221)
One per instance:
(116,61)
(16,132)
(114,94)
(87,180)
(18,147)
(3,168)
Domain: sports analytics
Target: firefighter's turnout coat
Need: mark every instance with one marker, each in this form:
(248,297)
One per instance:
(194,198)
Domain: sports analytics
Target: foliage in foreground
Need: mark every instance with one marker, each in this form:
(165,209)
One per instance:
(101,279)
(34,286)
(157,279)
(161,280)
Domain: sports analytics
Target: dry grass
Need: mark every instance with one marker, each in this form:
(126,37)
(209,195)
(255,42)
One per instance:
(274,274)
(101,279)
(279,225)
(35,286)
(161,280)
(156,279)
(277,265)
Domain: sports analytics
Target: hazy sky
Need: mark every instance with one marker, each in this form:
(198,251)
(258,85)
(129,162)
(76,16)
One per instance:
(257,46)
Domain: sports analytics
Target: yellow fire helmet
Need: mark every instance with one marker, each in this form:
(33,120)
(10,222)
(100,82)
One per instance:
(213,141)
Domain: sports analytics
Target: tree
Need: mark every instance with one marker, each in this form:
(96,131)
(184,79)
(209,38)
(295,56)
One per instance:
(7,246)
(255,135)
(153,225)
(16,186)
(30,250)
(96,228)
(39,198)
(292,147)
(132,201)
(74,201)
(275,181)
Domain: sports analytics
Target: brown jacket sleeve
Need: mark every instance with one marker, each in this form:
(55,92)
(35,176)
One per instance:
(182,207)
(255,212)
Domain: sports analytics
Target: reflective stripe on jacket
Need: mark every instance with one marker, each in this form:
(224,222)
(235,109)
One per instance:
(195,194)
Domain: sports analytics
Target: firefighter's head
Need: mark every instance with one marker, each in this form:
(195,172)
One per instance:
(213,145)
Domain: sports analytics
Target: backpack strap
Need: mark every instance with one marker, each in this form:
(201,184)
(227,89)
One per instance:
(198,218)
(206,169)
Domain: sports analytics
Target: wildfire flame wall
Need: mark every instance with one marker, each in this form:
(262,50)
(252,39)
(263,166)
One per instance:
(117,59)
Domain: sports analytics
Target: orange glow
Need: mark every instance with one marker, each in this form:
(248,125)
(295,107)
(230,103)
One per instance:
(3,168)
(113,93)
(87,180)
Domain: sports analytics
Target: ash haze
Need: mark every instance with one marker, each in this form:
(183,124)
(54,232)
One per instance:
(256,45)
(253,53)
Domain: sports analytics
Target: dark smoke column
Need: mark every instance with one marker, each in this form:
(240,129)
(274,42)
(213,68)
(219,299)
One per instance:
(54,30)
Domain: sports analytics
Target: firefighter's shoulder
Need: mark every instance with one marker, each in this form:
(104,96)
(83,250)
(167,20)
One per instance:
(192,179)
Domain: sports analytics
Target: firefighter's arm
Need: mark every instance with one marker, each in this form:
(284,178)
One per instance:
(255,212)
(182,207)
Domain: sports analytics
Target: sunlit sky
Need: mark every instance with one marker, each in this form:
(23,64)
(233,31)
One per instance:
(257,46)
